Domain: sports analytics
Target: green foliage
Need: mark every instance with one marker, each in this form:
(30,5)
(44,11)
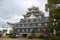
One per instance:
(30,36)
(12,34)
(41,36)
(54,13)
(58,34)
(56,38)
(52,1)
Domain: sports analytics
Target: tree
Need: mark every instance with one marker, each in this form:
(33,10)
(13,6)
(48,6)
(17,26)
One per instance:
(54,13)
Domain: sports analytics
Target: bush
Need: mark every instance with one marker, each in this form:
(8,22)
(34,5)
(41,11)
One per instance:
(12,34)
(58,33)
(30,36)
(41,36)
(56,38)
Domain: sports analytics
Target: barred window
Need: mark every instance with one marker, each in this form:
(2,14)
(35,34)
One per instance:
(18,30)
(26,29)
(39,24)
(20,25)
(29,20)
(38,29)
(45,24)
(23,30)
(36,24)
(34,20)
(30,24)
(31,30)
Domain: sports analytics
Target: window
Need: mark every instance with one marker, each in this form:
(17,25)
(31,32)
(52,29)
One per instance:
(29,21)
(40,17)
(34,20)
(23,30)
(26,29)
(39,24)
(4,31)
(39,20)
(21,20)
(36,24)
(30,24)
(44,29)
(31,30)
(25,25)
(45,24)
(16,25)
(20,25)
(36,15)
(38,29)
(18,30)
(24,20)
(42,24)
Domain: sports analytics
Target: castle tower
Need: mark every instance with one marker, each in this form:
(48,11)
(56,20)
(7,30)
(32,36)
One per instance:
(35,11)
(33,20)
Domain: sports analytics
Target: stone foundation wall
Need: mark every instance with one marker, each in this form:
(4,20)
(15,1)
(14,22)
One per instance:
(35,34)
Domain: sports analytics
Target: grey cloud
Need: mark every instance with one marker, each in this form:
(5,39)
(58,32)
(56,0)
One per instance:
(9,9)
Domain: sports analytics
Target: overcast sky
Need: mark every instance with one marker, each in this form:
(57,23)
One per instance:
(12,10)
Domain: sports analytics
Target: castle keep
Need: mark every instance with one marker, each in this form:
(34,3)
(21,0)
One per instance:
(34,20)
